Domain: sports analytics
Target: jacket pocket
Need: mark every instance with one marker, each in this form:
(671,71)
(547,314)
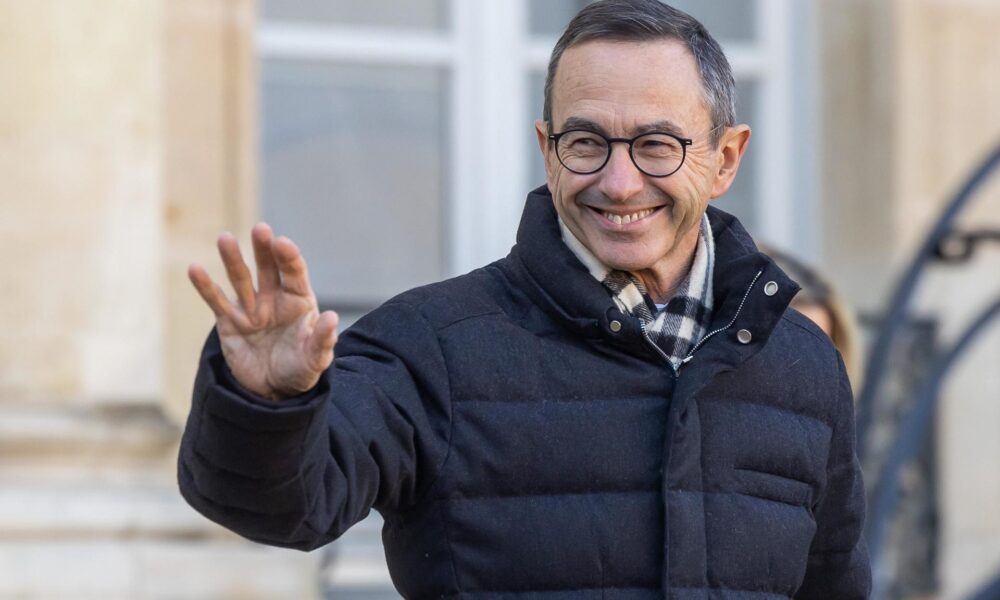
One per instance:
(773,486)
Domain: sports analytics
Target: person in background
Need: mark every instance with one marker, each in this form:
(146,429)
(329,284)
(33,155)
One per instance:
(819,301)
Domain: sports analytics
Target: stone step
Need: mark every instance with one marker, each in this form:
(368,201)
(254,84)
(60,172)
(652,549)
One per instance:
(55,516)
(356,561)
(75,433)
(56,510)
(95,569)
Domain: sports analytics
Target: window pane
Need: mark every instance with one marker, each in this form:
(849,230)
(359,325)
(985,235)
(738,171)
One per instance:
(353,160)
(741,199)
(549,17)
(400,14)
(726,20)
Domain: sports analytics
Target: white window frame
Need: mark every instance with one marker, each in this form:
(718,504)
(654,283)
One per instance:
(484,204)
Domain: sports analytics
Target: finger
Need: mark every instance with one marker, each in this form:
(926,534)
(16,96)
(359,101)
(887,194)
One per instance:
(323,339)
(238,272)
(292,265)
(268,279)
(210,292)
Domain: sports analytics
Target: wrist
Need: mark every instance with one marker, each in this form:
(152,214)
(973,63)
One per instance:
(278,393)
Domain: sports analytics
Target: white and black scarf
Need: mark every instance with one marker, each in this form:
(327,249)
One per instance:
(684,320)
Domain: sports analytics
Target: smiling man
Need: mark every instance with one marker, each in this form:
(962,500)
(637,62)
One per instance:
(621,408)
(636,209)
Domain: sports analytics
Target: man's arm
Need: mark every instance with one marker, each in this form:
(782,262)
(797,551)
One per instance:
(300,472)
(285,448)
(838,564)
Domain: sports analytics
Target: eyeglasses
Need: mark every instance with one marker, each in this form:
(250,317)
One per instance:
(585,152)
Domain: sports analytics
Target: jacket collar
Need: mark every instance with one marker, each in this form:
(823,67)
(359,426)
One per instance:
(561,285)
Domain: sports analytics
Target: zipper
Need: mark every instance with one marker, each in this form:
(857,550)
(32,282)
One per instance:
(659,350)
(690,354)
(728,325)
(687,358)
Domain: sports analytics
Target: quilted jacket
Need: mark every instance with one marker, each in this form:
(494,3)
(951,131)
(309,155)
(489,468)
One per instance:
(524,441)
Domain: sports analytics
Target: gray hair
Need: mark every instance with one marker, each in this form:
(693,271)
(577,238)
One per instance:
(646,20)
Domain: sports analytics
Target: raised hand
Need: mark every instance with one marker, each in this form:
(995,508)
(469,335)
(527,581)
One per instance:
(274,339)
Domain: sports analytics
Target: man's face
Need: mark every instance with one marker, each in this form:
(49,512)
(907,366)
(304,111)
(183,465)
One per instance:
(622,89)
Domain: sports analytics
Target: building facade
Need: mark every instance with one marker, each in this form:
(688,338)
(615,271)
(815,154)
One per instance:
(133,132)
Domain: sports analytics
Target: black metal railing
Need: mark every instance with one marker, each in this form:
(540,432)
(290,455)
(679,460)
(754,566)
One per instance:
(946,245)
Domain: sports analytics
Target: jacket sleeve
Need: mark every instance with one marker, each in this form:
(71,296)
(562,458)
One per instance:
(298,473)
(838,566)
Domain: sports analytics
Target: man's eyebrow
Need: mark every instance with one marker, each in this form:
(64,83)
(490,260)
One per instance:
(581,123)
(661,126)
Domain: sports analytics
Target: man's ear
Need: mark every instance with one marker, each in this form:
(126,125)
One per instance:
(542,133)
(732,146)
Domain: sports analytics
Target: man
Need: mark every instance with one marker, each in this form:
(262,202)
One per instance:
(620,408)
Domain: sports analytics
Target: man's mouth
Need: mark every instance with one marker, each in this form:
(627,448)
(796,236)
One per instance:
(625,219)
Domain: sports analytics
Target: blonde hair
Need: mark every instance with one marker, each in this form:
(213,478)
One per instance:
(817,291)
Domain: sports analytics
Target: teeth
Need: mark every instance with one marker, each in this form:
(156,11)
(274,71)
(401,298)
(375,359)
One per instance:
(642,214)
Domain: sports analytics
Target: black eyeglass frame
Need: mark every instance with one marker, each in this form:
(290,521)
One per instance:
(684,142)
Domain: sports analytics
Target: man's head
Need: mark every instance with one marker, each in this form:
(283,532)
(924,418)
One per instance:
(623,68)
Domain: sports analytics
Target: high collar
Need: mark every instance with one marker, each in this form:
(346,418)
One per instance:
(563,287)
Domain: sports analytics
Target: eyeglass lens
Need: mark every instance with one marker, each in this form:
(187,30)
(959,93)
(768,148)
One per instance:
(655,154)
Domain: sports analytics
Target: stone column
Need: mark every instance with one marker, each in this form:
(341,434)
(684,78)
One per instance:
(127,143)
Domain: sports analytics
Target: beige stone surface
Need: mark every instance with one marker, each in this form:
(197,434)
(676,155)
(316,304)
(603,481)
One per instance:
(90,569)
(856,106)
(947,115)
(80,162)
(210,170)
(36,434)
(126,145)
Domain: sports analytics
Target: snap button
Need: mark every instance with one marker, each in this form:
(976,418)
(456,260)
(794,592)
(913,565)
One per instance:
(770,288)
(615,326)
(744,336)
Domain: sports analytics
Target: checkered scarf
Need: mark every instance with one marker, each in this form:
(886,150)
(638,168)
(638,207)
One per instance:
(684,320)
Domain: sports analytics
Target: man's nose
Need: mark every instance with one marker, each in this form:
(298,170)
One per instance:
(620,178)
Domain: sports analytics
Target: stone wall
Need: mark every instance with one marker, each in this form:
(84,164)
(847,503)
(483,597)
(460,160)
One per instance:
(126,145)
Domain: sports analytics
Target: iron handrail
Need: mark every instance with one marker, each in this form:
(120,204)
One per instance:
(878,356)
(913,432)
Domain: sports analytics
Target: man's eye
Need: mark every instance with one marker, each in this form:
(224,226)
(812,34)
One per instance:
(657,142)
(659,145)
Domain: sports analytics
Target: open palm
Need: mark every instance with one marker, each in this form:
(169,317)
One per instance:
(274,339)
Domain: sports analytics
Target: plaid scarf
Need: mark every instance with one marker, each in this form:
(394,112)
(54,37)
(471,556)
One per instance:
(684,320)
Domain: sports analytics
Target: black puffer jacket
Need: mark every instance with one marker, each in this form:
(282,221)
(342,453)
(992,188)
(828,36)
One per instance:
(519,448)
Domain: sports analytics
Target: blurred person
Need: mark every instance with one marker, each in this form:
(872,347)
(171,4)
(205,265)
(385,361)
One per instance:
(620,408)
(821,302)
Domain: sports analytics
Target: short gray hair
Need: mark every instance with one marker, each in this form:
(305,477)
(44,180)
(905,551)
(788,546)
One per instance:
(646,20)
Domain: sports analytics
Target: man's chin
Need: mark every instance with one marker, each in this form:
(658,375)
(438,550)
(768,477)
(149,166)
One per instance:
(626,261)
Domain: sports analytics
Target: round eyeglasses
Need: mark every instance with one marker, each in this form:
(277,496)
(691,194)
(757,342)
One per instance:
(655,154)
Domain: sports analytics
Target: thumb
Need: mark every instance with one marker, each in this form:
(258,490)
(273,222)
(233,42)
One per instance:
(322,339)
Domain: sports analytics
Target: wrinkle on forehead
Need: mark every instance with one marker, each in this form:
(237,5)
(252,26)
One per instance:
(624,85)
